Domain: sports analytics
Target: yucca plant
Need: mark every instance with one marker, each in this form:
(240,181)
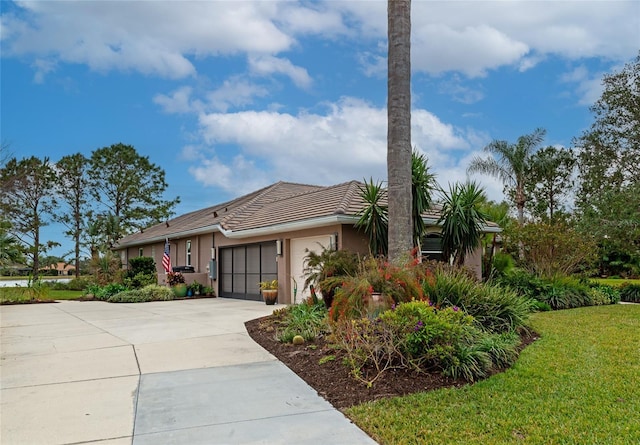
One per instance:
(462,220)
(373,218)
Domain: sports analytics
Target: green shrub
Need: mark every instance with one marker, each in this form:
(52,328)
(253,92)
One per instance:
(78,284)
(497,309)
(524,283)
(105,292)
(152,292)
(630,293)
(419,336)
(141,279)
(142,264)
(304,319)
(605,293)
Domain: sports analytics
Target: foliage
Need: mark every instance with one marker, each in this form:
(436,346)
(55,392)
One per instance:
(326,269)
(106,268)
(354,297)
(511,164)
(373,218)
(196,288)
(139,280)
(462,220)
(72,188)
(174,278)
(548,250)
(268,285)
(152,292)
(494,308)
(11,251)
(130,188)
(142,264)
(422,184)
(416,335)
(551,173)
(502,263)
(608,198)
(497,213)
(305,319)
(630,293)
(577,384)
(105,292)
(558,292)
(26,203)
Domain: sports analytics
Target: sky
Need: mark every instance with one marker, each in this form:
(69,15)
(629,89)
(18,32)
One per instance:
(230,96)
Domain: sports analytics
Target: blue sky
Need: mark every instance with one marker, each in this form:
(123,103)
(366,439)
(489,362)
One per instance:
(230,96)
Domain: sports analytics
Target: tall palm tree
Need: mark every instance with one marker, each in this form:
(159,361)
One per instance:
(399,128)
(510,163)
(462,220)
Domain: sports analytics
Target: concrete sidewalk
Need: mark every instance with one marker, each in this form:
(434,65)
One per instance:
(179,372)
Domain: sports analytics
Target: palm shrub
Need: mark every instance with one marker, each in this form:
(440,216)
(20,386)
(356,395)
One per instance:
(462,220)
(326,270)
(373,218)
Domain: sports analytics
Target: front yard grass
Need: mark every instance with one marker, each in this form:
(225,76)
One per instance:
(578,384)
(615,282)
(15,295)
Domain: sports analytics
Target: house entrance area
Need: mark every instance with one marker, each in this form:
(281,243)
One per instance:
(243,267)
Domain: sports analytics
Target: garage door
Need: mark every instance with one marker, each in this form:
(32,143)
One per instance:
(243,267)
(298,249)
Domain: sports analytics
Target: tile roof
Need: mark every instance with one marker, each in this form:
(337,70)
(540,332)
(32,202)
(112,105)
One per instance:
(275,205)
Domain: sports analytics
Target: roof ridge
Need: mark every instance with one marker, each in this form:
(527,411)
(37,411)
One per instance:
(345,203)
(258,194)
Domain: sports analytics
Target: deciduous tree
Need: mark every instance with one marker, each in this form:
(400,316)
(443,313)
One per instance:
(609,165)
(72,186)
(128,189)
(551,173)
(27,203)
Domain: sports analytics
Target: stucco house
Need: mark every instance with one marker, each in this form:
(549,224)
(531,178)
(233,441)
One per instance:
(263,236)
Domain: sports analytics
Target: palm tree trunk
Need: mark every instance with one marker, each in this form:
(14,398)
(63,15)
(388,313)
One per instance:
(399,128)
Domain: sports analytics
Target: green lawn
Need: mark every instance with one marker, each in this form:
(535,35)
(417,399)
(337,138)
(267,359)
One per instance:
(615,282)
(21,294)
(578,384)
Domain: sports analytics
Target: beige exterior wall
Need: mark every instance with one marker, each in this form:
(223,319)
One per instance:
(201,253)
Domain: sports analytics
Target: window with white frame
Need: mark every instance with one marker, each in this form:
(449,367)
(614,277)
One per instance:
(188,253)
(141,251)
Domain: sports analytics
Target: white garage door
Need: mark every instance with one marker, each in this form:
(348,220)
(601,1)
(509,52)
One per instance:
(299,248)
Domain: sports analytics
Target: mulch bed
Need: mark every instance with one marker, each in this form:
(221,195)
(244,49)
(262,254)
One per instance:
(332,379)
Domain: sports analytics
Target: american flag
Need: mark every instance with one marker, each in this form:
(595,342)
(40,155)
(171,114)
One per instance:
(166,258)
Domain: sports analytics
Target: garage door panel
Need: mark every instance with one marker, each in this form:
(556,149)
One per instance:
(299,248)
(243,267)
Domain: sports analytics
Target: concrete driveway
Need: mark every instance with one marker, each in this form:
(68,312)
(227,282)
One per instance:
(178,372)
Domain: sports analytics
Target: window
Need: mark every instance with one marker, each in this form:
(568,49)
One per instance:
(140,251)
(432,247)
(188,253)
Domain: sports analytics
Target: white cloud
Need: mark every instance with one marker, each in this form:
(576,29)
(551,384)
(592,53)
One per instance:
(266,65)
(347,142)
(166,38)
(588,85)
(149,37)
(179,101)
(235,92)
